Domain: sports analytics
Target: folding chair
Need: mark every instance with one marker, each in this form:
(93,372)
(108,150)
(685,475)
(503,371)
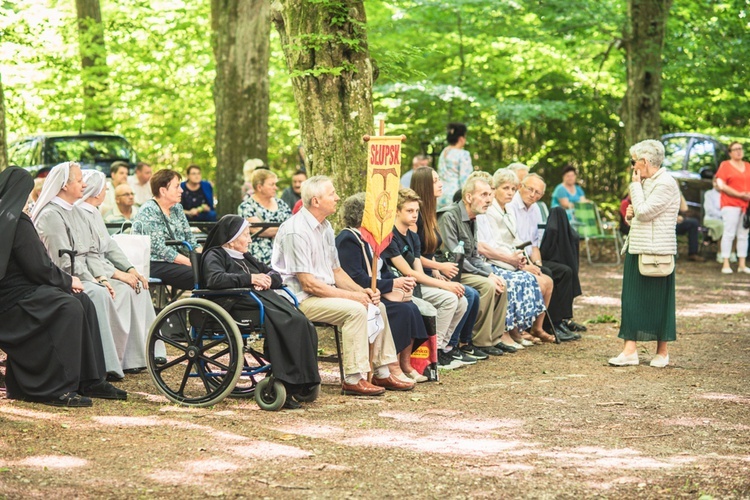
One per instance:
(590,227)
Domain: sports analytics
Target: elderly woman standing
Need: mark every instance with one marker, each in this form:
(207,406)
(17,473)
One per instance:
(733,182)
(162,218)
(264,206)
(107,262)
(648,303)
(61,227)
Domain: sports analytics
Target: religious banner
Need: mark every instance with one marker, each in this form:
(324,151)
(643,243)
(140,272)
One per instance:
(383,183)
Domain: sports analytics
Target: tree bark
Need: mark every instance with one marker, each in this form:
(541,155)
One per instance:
(644,43)
(3,136)
(94,71)
(325,46)
(241,49)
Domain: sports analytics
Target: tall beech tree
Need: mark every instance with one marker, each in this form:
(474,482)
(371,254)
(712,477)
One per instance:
(94,71)
(241,49)
(325,46)
(644,44)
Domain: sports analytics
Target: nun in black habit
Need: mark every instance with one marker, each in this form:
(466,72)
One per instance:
(291,343)
(49,328)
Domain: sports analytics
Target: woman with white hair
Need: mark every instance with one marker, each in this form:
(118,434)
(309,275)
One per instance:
(648,301)
(108,263)
(61,227)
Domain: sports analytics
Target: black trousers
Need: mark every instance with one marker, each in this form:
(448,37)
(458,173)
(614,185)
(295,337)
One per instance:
(174,275)
(561,302)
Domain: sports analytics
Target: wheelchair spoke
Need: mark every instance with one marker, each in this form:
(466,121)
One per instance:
(170,364)
(212,360)
(202,374)
(170,341)
(185,377)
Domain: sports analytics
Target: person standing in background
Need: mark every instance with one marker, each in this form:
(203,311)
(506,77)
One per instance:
(454,165)
(733,182)
(141,183)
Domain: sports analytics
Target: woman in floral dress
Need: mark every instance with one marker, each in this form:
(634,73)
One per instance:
(264,206)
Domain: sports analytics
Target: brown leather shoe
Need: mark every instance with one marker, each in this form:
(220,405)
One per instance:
(696,258)
(544,337)
(392,383)
(361,388)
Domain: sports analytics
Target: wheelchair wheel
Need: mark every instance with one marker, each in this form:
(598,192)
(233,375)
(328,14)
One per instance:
(308,395)
(270,396)
(204,352)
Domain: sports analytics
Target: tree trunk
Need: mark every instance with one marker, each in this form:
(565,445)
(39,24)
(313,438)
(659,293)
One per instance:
(94,71)
(241,48)
(326,51)
(3,137)
(644,42)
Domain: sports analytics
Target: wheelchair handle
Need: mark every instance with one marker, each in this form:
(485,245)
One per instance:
(177,243)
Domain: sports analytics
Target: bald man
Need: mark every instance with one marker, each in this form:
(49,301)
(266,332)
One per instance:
(124,209)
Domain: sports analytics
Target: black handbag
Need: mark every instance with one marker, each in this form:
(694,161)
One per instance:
(746,218)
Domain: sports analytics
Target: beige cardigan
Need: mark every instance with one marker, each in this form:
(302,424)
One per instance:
(656,205)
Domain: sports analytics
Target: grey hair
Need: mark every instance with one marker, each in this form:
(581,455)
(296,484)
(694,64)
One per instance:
(352,210)
(518,166)
(313,187)
(533,176)
(504,176)
(471,183)
(650,150)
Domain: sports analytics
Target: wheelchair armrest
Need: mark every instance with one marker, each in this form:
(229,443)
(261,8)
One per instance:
(232,292)
(291,295)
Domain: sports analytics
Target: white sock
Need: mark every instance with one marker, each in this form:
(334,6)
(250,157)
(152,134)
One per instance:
(447,348)
(382,372)
(352,378)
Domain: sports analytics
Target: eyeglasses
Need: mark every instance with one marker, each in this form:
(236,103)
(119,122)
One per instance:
(126,194)
(533,191)
(633,162)
(737,148)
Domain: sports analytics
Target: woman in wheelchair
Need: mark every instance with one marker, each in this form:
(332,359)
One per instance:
(291,342)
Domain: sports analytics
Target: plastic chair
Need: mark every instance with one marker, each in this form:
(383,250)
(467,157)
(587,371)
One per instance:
(590,227)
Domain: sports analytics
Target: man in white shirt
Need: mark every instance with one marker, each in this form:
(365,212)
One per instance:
(118,175)
(304,253)
(141,183)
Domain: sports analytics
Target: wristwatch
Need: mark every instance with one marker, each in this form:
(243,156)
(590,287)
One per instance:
(537,262)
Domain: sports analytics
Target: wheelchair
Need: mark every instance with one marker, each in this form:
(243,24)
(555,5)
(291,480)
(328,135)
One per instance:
(210,355)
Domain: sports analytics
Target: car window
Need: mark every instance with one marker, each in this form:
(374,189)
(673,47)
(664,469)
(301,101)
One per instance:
(20,154)
(88,150)
(702,155)
(675,149)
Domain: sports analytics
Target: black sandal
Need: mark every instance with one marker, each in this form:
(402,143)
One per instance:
(70,400)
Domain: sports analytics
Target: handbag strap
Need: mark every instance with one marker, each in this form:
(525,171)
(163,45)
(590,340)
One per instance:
(364,251)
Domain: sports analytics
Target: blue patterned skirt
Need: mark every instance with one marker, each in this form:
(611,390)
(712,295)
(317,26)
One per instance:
(525,300)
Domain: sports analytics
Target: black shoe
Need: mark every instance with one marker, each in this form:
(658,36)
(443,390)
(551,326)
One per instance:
(445,361)
(105,390)
(160,360)
(111,377)
(491,350)
(462,357)
(70,400)
(291,404)
(134,371)
(564,334)
(506,348)
(573,326)
(476,353)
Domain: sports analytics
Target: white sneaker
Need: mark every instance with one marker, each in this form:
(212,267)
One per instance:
(745,270)
(624,360)
(526,343)
(417,377)
(726,270)
(659,361)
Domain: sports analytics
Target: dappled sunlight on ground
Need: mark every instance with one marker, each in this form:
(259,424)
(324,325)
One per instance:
(699,310)
(732,398)
(53,462)
(599,301)
(265,449)
(440,443)
(13,411)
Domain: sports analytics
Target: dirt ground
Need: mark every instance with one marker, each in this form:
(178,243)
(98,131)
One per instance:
(552,421)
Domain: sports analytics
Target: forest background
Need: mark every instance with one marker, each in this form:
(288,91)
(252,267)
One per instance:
(541,82)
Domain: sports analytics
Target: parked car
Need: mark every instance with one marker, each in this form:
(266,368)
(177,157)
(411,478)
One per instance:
(98,150)
(693,160)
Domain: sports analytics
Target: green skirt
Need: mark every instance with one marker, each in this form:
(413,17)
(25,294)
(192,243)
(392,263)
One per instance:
(648,305)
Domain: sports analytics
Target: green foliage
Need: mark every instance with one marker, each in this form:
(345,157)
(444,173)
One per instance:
(603,318)
(538,82)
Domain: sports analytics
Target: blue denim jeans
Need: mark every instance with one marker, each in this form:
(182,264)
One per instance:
(466,325)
